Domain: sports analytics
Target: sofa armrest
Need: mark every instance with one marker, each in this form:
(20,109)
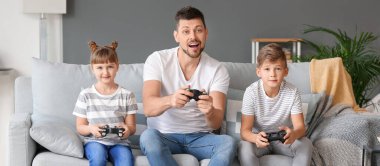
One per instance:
(22,147)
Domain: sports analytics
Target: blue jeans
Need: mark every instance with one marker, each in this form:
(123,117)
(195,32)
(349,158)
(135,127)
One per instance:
(97,154)
(159,147)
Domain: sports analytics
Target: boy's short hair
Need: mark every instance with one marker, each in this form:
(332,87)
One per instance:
(271,52)
(103,54)
(188,13)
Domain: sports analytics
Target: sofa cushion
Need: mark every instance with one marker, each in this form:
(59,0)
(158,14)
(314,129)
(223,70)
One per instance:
(56,136)
(56,86)
(237,70)
(297,74)
(232,116)
(49,158)
(141,125)
(309,105)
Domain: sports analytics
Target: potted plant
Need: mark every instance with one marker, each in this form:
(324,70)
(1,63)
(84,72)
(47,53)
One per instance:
(360,61)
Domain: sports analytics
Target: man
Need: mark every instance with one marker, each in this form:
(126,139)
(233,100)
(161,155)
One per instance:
(176,123)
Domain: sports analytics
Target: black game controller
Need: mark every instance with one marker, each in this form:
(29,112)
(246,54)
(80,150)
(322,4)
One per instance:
(276,136)
(196,94)
(114,130)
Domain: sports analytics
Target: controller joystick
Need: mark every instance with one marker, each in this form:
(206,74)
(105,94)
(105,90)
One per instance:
(276,136)
(196,94)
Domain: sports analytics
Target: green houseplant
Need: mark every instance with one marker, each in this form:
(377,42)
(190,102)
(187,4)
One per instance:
(360,60)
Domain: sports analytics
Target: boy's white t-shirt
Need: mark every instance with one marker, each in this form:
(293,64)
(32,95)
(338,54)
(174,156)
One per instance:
(271,113)
(210,75)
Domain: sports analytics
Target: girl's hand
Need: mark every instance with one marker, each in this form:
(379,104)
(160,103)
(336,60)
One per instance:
(126,132)
(95,130)
(261,140)
(289,137)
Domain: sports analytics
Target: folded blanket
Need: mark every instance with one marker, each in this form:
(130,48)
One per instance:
(339,137)
(330,76)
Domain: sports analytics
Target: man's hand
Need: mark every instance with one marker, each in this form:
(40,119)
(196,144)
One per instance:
(205,104)
(261,140)
(179,98)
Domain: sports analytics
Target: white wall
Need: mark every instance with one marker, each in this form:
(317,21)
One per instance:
(19,42)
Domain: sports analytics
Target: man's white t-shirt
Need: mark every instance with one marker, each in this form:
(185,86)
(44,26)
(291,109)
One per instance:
(210,75)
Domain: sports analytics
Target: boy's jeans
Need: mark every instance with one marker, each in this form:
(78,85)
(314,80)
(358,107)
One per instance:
(159,147)
(98,153)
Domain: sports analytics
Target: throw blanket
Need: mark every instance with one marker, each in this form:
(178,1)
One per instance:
(330,76)
(337,131)
(339,137)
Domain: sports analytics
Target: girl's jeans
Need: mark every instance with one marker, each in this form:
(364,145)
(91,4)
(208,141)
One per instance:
(98,154)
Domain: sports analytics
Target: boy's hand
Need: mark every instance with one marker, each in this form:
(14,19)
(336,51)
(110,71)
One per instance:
(289,137)
(261,140)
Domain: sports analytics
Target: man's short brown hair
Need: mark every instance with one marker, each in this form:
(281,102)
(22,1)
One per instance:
(188,13)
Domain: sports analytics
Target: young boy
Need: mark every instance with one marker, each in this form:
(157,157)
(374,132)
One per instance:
(106,103)
(270,105)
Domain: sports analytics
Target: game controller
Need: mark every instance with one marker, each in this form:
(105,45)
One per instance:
(114,130)
(196,94)
(276,136)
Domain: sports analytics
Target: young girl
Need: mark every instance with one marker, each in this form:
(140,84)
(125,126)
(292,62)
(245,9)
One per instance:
(106,103)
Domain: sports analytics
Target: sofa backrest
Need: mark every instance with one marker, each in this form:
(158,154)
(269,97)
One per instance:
(56,86)
(244,74)
(53,89)
(23,95)
(130,76)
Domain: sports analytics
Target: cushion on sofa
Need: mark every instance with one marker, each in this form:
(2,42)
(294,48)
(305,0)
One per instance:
(309,105)
(237,70)
(232,116)
(141,125)
(56,136)
(56,86)
(297,74)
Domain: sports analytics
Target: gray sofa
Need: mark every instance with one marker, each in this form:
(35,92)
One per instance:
(42,129)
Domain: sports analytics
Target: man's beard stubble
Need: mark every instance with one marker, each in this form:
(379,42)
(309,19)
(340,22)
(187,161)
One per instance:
(192,55)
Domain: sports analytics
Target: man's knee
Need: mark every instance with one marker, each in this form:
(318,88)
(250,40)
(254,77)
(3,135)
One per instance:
(230,142)
(227,144)
(148,134)
(150,140)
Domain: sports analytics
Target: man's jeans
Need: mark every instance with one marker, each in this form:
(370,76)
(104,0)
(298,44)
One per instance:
(159,147)
(97,154)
